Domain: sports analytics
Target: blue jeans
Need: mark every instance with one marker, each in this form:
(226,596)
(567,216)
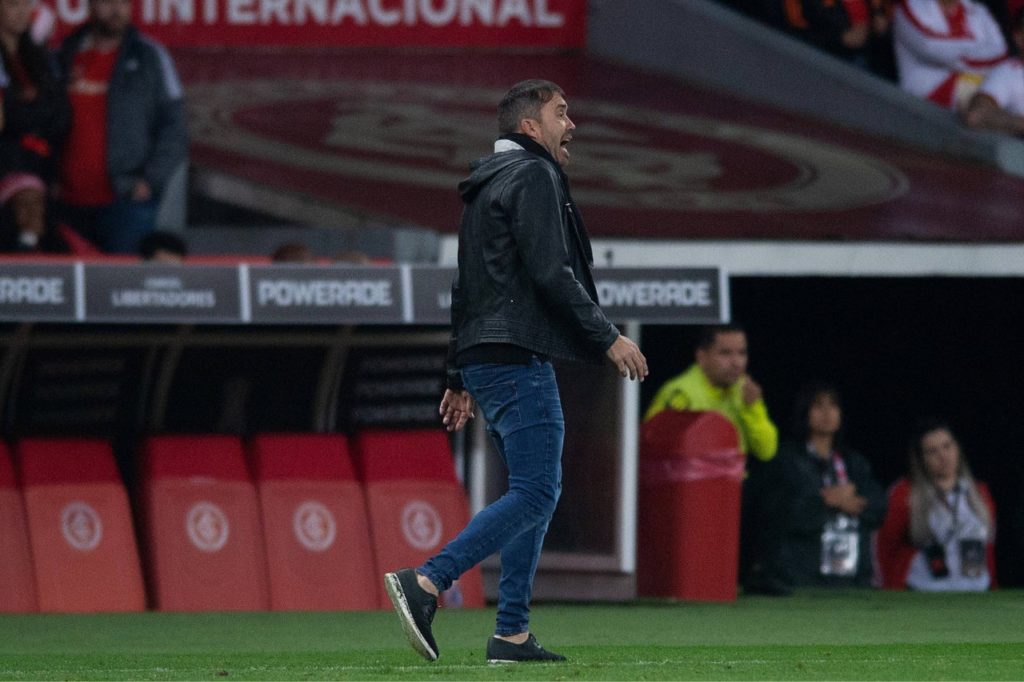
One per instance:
(115,228)
(124,223)
(524,416)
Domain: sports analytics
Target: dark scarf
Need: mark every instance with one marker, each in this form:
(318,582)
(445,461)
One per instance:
(534,147)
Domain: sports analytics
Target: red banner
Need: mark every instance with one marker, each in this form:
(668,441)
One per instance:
(353,23)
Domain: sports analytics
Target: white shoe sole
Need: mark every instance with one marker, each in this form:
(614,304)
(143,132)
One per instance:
(401,604)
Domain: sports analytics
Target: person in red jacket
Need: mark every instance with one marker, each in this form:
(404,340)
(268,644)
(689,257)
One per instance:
(939,531)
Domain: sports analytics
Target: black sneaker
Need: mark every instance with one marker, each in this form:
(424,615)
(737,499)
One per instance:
(415,608)
(503,651)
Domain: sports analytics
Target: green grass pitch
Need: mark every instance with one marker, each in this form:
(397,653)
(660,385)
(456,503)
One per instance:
(861,635)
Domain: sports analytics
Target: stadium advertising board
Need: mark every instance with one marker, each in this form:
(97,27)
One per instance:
(37,292)
(352,23)
(693,295)
(671,296)
(161,293)
(301,294)
(432,296)
(345,296)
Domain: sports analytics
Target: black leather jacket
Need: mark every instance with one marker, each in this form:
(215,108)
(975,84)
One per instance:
(524,263)
(33,130)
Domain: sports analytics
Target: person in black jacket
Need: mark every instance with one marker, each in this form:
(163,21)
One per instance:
(830,500)
(34,113)
(34,119)
(524,294)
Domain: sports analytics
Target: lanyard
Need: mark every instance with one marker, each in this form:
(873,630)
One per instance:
(834,474)
(839,466)
(953,509)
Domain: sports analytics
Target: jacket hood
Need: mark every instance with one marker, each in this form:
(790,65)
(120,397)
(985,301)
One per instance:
(482,171)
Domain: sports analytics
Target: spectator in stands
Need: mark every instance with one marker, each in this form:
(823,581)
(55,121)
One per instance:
(831,500)
(939,531)
(128,132)
(944,49)
(34,114)
(718,381)
(43,23)
(163,247)
(999,103)
(840,28)
(24,223)
(292,252)
(857,31)
(880,56)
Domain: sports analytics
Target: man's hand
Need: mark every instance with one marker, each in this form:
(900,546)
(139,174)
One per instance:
(751,390)
(844,497)
(627,358)
(456,409)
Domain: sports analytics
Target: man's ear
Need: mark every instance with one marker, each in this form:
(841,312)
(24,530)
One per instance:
(529,127)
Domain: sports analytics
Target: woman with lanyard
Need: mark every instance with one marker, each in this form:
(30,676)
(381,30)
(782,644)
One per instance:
(939,532)
(830,500)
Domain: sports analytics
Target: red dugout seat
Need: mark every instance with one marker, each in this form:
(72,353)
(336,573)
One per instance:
(80,526)
(204,542)
(415,503)
(17,580)
(314,521)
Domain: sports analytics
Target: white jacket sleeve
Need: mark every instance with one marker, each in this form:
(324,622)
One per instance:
(985,48)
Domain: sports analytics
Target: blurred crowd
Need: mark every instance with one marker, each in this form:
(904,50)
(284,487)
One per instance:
(962,55)
(93,127)
(90,132)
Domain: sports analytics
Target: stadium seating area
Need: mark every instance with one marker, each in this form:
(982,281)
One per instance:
(218,523)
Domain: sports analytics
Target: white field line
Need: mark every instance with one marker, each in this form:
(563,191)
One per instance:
(238,673)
